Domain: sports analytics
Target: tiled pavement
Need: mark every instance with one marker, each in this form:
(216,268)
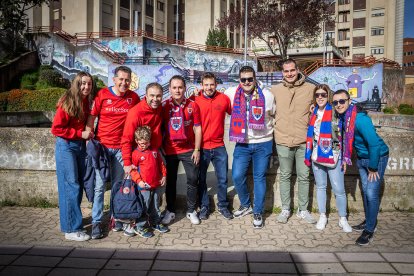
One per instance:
(31,244)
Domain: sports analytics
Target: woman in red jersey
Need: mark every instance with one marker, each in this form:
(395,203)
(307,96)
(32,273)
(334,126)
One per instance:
(69,128)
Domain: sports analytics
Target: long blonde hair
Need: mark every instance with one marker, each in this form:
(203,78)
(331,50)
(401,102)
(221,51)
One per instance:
(71,101)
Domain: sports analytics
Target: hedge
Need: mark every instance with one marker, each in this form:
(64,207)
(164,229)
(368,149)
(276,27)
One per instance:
(30,100)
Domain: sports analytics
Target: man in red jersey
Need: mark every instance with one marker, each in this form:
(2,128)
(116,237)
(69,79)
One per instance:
(213,108)
(146,113)
(182,124)
(111,106)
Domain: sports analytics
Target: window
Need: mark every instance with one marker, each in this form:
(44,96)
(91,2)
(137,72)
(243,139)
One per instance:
(378,12)
(377,31)
(344,16)
(149,8)
(343,2)
(124,23)
(377,51)
(345,51)
(343,34)
(160,6)
(125,4)
(56,14)
(107,8)
(149,28)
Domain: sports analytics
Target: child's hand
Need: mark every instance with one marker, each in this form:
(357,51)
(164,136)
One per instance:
(141,184)
(163,180)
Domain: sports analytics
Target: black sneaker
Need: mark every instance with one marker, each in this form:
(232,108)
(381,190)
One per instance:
(119,226)
(365,238)
(257,221)
(204,213)
(225,213)
(360,227)
(96,231)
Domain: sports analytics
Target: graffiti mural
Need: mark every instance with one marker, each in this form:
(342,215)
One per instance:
(131,47)
(363,84)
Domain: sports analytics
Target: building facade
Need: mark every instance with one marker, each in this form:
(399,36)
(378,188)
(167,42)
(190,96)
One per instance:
(408,56)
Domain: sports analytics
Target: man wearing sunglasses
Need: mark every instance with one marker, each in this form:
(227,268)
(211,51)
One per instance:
(293,99)
(251,127)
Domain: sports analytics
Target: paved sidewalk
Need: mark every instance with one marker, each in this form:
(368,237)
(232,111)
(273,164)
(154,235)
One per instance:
(30,240)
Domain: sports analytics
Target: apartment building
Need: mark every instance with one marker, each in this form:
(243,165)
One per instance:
(368,27)
(408,56)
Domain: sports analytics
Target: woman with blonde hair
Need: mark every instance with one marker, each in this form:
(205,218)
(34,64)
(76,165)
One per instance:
(68,126)
(323,148)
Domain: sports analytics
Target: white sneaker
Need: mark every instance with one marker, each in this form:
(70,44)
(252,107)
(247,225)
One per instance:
(77,236)
(283,216)
(321,224)
(343,223)
(168,217)
(306,216)
(193,217)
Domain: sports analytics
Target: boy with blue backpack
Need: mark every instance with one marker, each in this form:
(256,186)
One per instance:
(150,175)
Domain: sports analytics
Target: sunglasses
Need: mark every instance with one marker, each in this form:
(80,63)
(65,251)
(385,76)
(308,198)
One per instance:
(243,80)
(323,95)
(341,101)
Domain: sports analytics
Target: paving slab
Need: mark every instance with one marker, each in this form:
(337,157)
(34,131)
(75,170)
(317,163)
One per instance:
(13,249)
(235,257)
(134,254)
(83,263)
(268,257)
(399,257)
(360,257)
(163,265)
(98,253)
(404,268)
(7,259)
(24,271)
(122,273)
(179,255)
(223,267)
(163,273)
(37,261)
(269,268)
(49,251)
(129,264)
(72,272)
(369,267)
(318,268)
(314,257)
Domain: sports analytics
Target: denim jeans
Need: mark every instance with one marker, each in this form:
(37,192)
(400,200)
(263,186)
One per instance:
(70,168)
(371,191)
(117,174)
(336,177)
(191,171)
(218,156)
(152,202)
(288,156)
(259,154)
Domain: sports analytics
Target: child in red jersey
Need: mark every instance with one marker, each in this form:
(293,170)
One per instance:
(150,175)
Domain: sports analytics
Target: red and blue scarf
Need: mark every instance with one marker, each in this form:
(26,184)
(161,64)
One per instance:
(324,143)
(238,121)
(176,127)
(346,127)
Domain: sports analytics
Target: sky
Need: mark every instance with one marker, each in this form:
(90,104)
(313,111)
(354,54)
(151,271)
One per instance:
(409,18)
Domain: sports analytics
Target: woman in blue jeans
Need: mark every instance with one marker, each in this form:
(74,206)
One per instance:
(323,148)
(372,155)
(69,128)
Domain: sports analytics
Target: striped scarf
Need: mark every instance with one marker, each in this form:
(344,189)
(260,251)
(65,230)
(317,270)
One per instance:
(238,122)
(346,126)
(324,144)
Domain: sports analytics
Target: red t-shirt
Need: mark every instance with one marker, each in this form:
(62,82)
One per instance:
(191,118)
(112,111)
(150,165)
(213,114)
(68,127)
(140,115)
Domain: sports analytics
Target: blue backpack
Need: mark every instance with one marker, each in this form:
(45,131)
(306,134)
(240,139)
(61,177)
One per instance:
(126,201)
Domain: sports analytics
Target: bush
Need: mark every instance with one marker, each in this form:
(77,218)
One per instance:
(48,78)
(30,100)
(98,83)
(388,110)
(29,80)
(406,109)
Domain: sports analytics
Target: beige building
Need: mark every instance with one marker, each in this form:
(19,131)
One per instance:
(75,16)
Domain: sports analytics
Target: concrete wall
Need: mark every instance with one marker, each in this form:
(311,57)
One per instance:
(27,167)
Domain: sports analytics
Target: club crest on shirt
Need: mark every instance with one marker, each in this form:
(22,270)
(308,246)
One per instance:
(176,123)
(325,144)
(155,154)
(129,100)
(142,158)
(257,112)
(190,110)
(109,101)
(125,190)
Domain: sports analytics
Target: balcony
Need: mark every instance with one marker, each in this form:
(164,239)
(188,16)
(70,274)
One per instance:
(346,7)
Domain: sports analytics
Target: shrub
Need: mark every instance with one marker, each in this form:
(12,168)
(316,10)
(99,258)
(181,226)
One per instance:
(388,110)
(406,109)
(48,78)
(15,100)
(31,100)
(3,101)
(29,80)
(98,83)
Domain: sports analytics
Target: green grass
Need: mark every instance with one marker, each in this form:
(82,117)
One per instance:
(32,202)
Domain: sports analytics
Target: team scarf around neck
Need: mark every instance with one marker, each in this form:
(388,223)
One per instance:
(176,126)
(238,121)
(346,127)
(324,143)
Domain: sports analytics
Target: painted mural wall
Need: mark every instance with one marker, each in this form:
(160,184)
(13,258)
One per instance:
(363,84)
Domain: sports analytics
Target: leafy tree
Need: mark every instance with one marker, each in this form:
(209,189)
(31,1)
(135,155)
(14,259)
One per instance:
(283,20)
(217,37)
(12,18)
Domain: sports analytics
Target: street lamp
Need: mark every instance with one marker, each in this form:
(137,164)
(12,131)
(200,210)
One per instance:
(324,36)
(245,32)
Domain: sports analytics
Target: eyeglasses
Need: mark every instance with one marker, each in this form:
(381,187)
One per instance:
(243,80)
(323,95)
(341,101)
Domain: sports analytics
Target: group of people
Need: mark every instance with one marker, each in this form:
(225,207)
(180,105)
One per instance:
(147,139)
